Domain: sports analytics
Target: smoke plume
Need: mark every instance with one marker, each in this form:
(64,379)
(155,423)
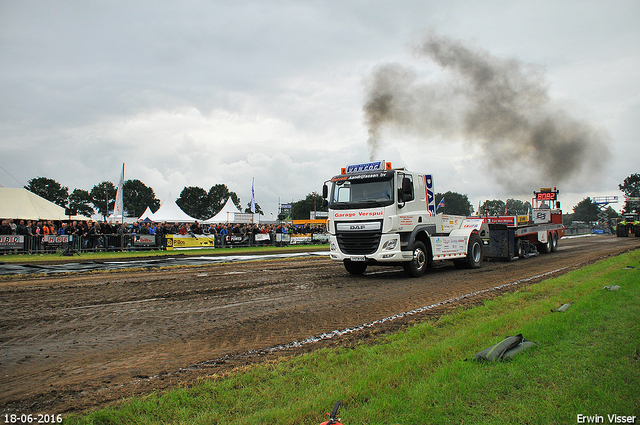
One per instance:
(500,105)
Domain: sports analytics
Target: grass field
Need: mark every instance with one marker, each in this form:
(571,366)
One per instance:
(587,362)
(129,255)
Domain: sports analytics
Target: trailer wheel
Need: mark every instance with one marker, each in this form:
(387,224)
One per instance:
(519,248)
(356,268)
(553,241)
(418,264)
(545,248)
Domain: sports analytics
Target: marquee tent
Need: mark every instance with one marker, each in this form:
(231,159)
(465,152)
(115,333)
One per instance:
(147,214)
(226,214)
(171,213)
(18,203)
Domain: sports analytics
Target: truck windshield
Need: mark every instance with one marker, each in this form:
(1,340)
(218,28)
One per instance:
(362,190)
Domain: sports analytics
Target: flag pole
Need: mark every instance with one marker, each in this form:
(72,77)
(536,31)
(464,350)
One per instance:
(122,196)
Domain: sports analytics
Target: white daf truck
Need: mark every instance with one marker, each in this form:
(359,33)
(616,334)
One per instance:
(385,216)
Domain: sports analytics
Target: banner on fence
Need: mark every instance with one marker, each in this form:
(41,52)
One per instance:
(236,240)
(11,242)
(300,238)
(262,237)
(321,237)
(144,240)
(190,242)
(56,239)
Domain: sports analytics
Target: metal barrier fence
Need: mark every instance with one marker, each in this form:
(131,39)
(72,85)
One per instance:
(72,244)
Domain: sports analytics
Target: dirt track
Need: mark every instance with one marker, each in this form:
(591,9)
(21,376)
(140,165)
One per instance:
(74,342)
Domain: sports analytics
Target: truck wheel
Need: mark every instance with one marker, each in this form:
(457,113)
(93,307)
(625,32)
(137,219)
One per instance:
(474,252)
(636,230)
(356,268)
(519,248)
(553,241)
(418,264)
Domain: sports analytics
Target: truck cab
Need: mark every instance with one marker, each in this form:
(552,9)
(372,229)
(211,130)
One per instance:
(381,215)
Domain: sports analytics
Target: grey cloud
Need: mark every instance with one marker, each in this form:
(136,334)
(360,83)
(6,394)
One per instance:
(500,105)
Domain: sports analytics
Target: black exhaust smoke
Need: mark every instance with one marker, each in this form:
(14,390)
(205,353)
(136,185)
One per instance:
(500,105)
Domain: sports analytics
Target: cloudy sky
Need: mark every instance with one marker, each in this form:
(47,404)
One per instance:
(494,98)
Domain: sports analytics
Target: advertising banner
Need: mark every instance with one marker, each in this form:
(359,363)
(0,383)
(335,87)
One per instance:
(300,238)
(541,216)
(57,239)
(242,217)
(262,237)
(11,242)
(236,240)
(321,237)
(508,220)
(144,240)
(189,242)
(447,245)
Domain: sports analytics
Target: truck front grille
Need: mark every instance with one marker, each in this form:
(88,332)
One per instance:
(359,243)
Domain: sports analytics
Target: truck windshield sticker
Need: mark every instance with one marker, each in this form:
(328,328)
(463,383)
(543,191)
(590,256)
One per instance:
(358,191)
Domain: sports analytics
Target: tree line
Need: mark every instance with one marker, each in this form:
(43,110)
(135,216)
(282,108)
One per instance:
(202,204)
(587,210)
(137,196)
(194,201)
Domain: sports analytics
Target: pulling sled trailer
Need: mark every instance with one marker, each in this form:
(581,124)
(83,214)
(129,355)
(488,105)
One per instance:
(512,237)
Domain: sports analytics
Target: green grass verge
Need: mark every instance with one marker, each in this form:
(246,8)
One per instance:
(587,363)
(127,255)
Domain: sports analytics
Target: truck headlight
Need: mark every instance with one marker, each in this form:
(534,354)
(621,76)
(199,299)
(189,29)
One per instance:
(333,247)
(390,245)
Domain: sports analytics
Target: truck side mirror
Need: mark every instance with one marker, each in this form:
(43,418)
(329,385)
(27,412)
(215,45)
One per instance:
(407,190)
(325,191)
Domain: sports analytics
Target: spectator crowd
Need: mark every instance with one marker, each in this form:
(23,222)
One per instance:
(95,235)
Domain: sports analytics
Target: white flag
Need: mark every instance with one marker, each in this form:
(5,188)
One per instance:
(118,208)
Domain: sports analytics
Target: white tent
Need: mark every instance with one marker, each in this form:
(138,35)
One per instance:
(226,214)
(171,213)
(19,203)
(147,214)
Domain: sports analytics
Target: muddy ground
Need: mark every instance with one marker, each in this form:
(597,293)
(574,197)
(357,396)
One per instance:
(80,341)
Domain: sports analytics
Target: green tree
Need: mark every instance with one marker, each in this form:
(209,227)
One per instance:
(454,204)
(80,200)
(218,195)
(585,211)
(517,207)
(493,207)
(631,188)
(300,210)
(611,213)
(103,197)
(258,209)
(195,202)
(137,197)
(49,189)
